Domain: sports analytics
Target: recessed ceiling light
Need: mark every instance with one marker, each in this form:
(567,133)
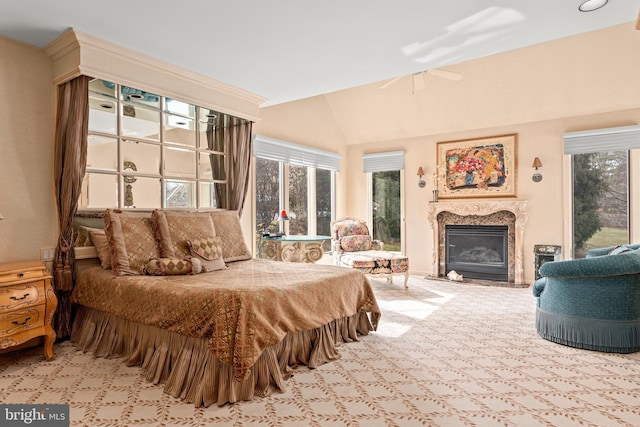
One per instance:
(591,5)
(211,116)
(106,106)
(181,123)
(138,96)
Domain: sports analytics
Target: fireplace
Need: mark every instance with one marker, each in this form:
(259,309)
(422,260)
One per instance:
(478,251)
(509,213)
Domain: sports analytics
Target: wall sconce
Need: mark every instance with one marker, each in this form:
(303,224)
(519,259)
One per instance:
(1,217)
(537,176)
(420,173)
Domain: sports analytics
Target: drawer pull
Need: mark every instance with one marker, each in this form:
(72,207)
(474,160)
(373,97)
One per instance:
(15,298)
(15,322)
(21,274)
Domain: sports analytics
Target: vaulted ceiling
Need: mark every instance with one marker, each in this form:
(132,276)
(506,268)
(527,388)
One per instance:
(289,50)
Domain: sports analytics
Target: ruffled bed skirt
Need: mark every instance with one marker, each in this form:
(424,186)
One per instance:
(612,336)
(190,372)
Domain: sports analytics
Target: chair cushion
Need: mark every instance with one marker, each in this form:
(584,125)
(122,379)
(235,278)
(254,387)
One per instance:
(375,261)
(356,243)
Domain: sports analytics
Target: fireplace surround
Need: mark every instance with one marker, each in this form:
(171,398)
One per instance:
(497,212)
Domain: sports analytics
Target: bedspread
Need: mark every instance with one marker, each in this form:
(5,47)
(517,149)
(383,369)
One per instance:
(241,310)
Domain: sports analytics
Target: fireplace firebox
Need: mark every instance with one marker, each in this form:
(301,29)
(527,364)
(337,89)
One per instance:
(478,251)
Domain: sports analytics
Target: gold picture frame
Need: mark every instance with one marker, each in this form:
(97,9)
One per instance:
(478,167)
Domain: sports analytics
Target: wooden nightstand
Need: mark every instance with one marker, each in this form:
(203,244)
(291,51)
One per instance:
(27,304)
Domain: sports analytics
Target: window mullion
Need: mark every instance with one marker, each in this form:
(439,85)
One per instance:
(312,209)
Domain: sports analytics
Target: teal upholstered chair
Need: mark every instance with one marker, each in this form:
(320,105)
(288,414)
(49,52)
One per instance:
(592,303)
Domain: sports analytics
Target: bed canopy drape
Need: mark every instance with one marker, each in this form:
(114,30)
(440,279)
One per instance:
(72,125)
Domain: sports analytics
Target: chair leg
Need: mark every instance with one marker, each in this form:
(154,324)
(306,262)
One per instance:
(390,279)
(406,280)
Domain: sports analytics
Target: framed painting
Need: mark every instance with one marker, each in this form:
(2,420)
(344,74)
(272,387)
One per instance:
(481,167)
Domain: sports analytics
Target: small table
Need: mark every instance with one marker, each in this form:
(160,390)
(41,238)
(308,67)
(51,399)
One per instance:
(295,248)
(27,304)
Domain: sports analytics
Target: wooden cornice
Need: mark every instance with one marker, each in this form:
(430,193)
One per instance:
(75,53)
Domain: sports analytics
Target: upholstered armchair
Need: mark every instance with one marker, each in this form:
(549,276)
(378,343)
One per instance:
(592,303)
(353,247)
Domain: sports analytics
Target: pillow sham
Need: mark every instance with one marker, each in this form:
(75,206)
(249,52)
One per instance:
(82,237)
(99,240)
(173,229)
(209,252)
(131,237)
(173,266)
(228,228)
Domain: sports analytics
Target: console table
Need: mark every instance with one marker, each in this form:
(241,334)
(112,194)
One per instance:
(295,248)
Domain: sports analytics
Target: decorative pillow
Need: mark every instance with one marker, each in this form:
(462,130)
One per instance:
(228,228)
(175,228)
(620,249)
(355,243)
(82,237)
(99,240)
(209,252)
(173,266)
(353,228)
(131,237)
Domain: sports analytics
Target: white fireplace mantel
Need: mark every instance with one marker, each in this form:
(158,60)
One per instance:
(482,208)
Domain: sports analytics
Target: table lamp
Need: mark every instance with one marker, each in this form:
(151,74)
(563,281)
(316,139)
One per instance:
(284,217)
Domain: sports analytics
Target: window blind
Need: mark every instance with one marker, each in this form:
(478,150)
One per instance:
(288,152)
(380,162)
(608,139)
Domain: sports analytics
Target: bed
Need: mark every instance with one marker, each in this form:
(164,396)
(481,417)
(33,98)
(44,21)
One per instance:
(222,336)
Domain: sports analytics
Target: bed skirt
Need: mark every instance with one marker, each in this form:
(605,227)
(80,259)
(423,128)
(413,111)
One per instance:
(190,372)
(611,336)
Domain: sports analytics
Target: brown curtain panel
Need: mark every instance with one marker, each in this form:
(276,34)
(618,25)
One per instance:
(238,139)
(72,124)
(215,142)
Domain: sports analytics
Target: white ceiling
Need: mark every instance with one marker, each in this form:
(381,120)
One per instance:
(291,49)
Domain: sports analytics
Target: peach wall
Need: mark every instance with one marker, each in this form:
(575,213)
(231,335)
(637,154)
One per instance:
(26,152)
(539,92)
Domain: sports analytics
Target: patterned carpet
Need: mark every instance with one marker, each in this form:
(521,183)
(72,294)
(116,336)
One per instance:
(446,354)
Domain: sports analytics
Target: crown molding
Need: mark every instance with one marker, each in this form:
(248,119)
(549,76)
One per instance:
(75,53)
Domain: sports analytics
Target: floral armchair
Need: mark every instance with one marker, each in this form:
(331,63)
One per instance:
(353,247)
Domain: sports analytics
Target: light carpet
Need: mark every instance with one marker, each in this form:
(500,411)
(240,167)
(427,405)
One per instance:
(445,354)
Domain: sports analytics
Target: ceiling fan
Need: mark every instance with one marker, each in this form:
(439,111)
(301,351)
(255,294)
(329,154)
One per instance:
(418,78)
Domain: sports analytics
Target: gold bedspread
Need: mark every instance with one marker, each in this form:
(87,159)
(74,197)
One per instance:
(241,310)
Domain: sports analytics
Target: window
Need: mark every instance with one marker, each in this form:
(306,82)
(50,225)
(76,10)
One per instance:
(298,179)
(147,151)
(600,200)
(601,167)
(385,197)
(385,209)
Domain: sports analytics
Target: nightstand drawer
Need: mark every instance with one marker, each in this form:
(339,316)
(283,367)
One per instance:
(22,295)
(17,321)
(13,276)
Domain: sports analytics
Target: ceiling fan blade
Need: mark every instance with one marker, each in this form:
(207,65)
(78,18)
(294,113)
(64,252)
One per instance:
(390,82)
(450,75)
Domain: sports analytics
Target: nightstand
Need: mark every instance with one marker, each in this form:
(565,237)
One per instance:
(27,304)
